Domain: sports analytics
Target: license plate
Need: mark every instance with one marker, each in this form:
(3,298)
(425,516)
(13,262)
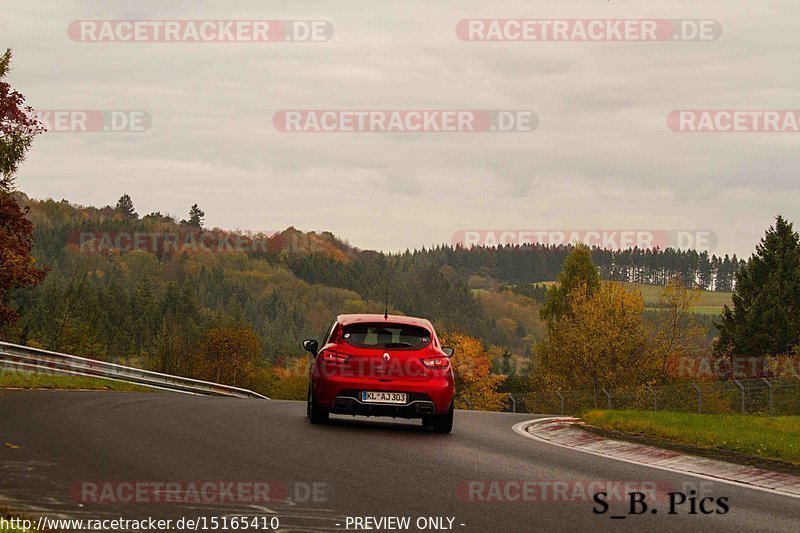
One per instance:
(384,397)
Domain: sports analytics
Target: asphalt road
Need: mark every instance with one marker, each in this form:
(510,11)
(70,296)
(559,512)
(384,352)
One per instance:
(361,467)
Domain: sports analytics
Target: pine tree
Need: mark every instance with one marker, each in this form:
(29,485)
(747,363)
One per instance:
(765,318)
(579,270)
(125,207)
(196,216)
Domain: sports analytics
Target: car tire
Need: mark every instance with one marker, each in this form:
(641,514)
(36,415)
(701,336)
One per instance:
(315,413)
(440,423)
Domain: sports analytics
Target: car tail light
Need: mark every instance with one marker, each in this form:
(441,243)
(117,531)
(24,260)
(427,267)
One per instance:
(436,362)
(333,357)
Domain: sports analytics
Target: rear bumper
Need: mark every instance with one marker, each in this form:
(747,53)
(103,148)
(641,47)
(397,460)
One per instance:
(343,396)
(348,403)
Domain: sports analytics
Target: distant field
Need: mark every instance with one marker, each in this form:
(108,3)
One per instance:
(24,380)
(708,309)
(710,302)
(707,298)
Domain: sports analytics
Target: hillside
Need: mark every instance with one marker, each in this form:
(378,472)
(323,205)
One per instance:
(120,285)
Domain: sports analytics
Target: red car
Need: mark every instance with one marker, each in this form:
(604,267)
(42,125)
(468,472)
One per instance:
(381,365)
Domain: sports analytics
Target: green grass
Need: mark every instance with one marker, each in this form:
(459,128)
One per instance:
(24,380)
(707,310)
(707,298)
(775,437)
(709,303)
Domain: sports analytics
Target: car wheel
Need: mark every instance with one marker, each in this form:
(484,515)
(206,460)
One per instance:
(314,412)
(440,423)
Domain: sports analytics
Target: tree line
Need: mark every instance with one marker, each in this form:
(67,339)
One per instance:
(522,264)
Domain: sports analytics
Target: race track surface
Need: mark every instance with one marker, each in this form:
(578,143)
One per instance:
(54,441)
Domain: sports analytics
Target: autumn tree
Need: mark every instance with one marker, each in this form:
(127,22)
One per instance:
(157,216)
(578,271)
(601,343)
(291,380)
(229,355)
(17,129)
(676,334)
(476,386)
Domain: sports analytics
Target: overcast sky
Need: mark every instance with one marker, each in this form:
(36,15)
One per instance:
(602,156)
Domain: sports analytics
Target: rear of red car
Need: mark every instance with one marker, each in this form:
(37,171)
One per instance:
(376,365)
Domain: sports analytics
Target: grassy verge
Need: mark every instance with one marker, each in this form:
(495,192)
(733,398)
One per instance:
(23,380)
(776,437)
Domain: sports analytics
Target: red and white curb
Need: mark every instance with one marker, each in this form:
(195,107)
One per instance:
(561,431)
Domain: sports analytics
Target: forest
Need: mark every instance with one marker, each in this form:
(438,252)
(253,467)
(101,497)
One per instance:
(110,292)
(174,296)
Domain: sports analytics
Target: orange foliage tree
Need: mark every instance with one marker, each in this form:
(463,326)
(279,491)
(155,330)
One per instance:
(17,130)
(229,355)
(476,386)
(291,381)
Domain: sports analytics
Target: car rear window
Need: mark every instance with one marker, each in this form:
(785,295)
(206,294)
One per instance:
(394,336)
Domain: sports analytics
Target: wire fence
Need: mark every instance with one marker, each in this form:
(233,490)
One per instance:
(761,396)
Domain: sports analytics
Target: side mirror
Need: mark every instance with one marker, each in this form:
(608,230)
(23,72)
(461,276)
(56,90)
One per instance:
(311,345)
(448,351)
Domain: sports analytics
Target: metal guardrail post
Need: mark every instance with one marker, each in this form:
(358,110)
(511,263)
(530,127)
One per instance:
(513,403)
(741,388)
(608,396)
(699,398)
(769,384)
(655,397)
(561,397)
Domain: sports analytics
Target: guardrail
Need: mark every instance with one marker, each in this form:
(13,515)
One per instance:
(16,357)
